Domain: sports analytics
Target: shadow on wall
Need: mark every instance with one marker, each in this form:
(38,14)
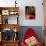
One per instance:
(38,30)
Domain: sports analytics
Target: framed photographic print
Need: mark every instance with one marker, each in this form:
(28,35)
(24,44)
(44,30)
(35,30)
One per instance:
(12,12)
(30,12)
(5,12)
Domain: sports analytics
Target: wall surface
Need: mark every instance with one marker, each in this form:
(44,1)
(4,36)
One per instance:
(22,3)
(39,12)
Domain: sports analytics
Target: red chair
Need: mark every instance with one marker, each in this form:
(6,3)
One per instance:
(29,33)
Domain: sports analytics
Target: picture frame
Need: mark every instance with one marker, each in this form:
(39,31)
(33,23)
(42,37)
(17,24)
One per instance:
(13,12)
(30,12)
(5,12)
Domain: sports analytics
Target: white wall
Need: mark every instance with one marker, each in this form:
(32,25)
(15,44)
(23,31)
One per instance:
(39,12)
(22,3)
